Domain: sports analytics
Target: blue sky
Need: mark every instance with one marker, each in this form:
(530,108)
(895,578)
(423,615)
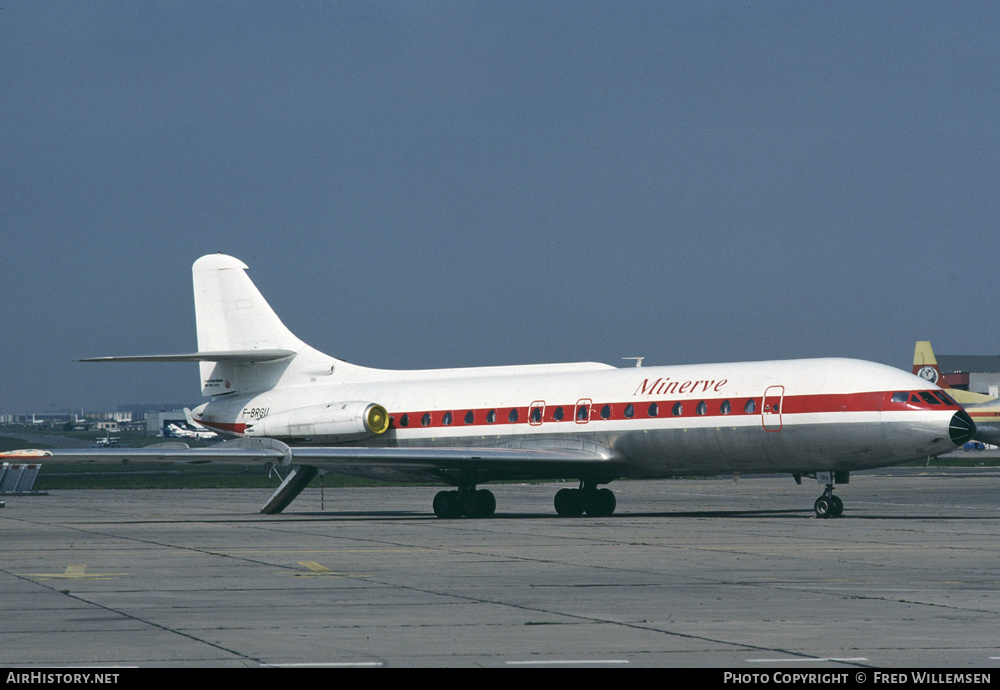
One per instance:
(428,184)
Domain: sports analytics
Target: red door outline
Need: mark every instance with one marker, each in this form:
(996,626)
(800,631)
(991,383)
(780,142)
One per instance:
(770,409)
(533,418)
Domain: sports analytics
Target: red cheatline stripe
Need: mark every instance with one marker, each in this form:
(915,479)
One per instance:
(619,411)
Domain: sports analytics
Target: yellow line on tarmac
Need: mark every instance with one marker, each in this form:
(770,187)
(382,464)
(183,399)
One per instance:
(73,572)
(317,569)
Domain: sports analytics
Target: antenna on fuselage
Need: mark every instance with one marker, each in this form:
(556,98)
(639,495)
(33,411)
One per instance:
(638,360)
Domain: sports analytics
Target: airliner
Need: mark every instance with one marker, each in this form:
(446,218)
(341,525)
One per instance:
(284,402)
(178,431)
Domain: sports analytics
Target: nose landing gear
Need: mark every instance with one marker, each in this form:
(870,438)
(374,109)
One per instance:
(827,505)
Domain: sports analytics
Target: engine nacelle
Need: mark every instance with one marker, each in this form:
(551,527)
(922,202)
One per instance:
(332,423)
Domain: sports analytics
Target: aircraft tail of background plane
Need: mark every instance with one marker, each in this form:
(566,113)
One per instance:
(924,363)
(926,367)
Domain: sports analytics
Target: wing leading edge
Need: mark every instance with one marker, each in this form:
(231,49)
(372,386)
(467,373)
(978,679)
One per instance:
(535,462)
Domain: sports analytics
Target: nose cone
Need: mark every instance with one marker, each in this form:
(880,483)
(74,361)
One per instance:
(961,428)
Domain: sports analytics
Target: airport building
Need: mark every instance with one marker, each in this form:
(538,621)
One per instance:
(977,374)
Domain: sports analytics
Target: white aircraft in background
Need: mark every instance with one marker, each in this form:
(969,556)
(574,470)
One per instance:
(177,431)
(289,404)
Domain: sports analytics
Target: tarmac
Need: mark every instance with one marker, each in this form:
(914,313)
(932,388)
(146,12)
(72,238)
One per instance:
(711,573)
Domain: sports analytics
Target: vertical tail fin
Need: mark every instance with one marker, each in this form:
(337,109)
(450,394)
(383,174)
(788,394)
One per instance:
(243,347)
(230,312)
(924,363)
(234,320)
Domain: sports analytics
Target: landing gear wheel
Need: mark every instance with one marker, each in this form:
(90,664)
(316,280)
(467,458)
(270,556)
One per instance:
(838,506)
(568,503)
(828,506)
(600,503)
(480,504)
(447,505)
(823,507)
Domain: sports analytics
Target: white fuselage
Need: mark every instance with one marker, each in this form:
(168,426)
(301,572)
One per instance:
(777,416)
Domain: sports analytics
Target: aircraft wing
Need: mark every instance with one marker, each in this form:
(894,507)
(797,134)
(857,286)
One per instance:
(541,462)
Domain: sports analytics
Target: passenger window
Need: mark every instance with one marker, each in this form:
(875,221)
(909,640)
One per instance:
(536,414)
(581,413)
(558,414)
(404,420)
(447,419)
(725,408)
(629,411)
(469,417)
(702,408)
(900,397)
(426,419)
(606,412)
(678,409)
(512,417)
(491,416)
(750,407)
(653,410)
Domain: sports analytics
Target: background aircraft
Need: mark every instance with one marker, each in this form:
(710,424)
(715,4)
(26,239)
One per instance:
(178,431)
(984,409)
(287,403)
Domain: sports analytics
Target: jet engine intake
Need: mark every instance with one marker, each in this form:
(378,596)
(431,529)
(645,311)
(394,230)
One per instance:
(332,423)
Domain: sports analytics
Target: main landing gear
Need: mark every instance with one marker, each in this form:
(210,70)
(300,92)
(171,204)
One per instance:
(587,499)
(467,502)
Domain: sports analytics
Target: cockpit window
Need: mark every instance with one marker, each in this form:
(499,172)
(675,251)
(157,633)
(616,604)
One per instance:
(948,400)
(926,395)
(900,397)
